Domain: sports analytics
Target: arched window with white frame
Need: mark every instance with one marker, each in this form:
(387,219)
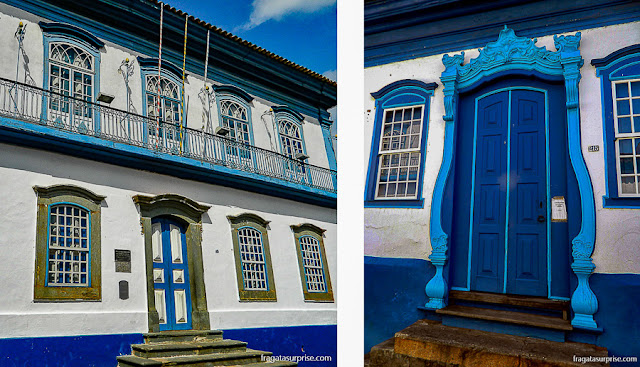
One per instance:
(71,73)
(234,118)
(162,96)
(291,141)
(163,102)
(290,138)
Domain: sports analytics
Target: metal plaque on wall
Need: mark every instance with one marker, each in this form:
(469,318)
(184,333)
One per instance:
(123,261)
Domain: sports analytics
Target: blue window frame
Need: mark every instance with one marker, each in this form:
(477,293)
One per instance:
(290,134)
(398,145)
(69,246)
(162,91)
(234,112)
(619,75)
(71,69)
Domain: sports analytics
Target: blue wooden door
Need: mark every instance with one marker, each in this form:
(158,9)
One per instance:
(509,229)
(171,275)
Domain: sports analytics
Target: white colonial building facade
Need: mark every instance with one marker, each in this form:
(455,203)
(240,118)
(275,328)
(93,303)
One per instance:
(142,197)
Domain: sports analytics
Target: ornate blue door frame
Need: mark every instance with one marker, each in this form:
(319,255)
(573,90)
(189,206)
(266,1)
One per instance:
(510,52)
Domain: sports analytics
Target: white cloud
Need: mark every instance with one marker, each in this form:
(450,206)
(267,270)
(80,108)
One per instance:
(264,10)
(331,74)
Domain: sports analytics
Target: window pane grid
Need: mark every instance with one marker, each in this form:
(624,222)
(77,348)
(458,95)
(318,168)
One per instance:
(68,246)
(70,74)
(312,263)
(252,258)
(398,175)
(234,117)
(290,138)
(401,129)
(399,159)
(626,107)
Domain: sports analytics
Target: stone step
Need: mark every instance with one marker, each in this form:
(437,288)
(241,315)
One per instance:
(539,303)
(509,317)
(182,336)
(429,343)
(168,349)
(248,357)
(217,359)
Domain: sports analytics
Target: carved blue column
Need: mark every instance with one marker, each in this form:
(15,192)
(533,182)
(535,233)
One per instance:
(583,301)
(437,289)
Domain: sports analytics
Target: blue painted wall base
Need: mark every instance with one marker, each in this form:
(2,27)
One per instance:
(314,340)
(102,350)
(393,292)
(67,351)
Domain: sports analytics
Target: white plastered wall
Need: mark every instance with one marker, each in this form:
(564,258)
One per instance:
(405,232)
(22,168)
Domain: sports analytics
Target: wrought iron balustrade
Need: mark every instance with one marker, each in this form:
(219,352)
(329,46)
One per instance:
(39,106)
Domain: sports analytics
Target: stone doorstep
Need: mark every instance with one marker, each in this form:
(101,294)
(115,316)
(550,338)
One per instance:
(220,359)
(167,349)
(430,340)
(510,300)
(510,317)
(248,357)
(182,335)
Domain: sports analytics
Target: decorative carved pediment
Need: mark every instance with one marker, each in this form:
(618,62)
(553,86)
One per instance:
(511,52)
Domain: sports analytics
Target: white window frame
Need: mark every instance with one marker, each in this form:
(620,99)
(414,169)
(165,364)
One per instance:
(236,120)
(308,256)
(391,152)
(85,214)
(290,138)
(626,136)
(259,262)
(73,110)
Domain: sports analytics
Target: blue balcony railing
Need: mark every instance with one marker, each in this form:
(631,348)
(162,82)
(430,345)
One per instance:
(43,107)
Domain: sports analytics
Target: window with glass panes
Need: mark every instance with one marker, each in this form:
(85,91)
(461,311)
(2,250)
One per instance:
(234,117)
(254,272)
(71,73)
(252,257)
(169,98)
(290,138)
(69,246)
(312,264)
(399,153)
(626,107)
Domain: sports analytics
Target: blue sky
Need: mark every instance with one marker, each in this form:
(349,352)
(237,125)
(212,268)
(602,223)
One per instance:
(303,31)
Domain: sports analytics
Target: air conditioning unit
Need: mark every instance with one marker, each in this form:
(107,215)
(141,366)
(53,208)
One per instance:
(222,131)
(301,156)
(106,98)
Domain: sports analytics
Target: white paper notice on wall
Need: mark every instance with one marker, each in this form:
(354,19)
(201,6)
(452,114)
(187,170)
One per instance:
(558,209)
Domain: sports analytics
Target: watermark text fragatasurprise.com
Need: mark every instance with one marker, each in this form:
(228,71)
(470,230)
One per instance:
(612,359)
(297,359)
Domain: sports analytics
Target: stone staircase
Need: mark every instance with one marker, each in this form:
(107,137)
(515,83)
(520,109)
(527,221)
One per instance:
(428,343)
(510,314)
(194,348)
